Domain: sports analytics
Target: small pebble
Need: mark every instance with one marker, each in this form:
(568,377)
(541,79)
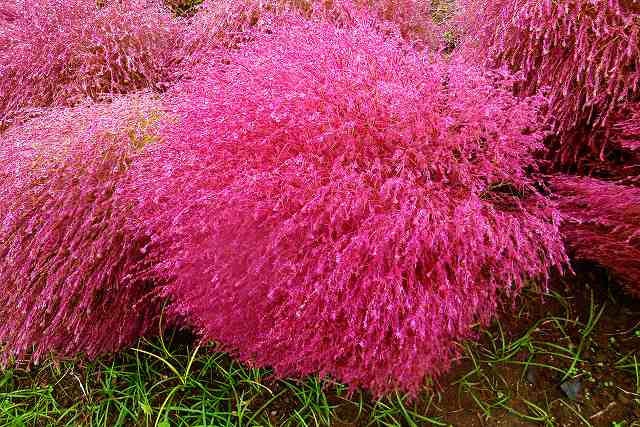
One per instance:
(572,388)
(532,375)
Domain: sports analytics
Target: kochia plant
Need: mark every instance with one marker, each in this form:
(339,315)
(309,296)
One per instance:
(627,129)
(69,270)
(223,24)
(586,52)
(331,200)
(602,224)
(586,55)
(58,52)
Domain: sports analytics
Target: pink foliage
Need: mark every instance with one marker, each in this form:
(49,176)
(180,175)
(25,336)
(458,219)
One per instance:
(224,24)
(57,52)
(602,224)
(330,200)
(8,13)
(586,55)
(628,129)
(586,52)
(68,267)
(413,18)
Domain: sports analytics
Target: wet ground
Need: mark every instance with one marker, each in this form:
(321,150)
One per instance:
(570,357)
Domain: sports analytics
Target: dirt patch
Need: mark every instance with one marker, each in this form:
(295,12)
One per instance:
(568,358)
(574,364)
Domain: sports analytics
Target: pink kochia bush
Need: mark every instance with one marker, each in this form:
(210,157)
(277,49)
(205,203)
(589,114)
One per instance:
(602,223)
(586,55)
(585,52)
(628,129)
(58,52)
(329,200)
(69,270)
(224,23)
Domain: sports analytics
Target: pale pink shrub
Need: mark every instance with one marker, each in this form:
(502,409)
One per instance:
(229,24)
(59,52)
(330,200)
(585,52)
(70,272)
(413,18)
(602,224)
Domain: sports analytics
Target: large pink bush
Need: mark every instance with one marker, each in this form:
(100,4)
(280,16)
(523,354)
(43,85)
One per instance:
(70,273)
(330,200)
(58,52)
(602,224)
(585,52)
(585,55)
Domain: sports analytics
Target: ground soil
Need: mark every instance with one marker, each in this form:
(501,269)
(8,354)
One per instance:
(605,395)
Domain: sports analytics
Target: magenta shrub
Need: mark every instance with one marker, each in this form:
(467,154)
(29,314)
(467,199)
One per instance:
(229,24)
(330,200)
(58,52)
(8,13)
(70,272)
(585,52)
(627,129)
(585,56)
(602,224)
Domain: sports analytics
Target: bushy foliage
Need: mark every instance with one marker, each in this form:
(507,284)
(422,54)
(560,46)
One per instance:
(585,56)
(585,52)
(58,52)
(628,129)
(8,13)
(602,224)
(224,24)
(413,18)
(330,200)
(69,270)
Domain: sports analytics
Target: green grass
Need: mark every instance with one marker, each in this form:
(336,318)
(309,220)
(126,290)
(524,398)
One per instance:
(171,381)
